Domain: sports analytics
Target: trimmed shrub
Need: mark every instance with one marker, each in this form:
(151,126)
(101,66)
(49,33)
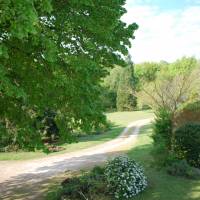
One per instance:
(163,128)
(125,178)
(162,138)
(187,143)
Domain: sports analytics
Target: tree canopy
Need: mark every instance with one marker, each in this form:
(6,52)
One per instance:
(53,55)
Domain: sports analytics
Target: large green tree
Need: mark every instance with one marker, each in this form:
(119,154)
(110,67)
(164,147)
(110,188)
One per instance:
(53,55)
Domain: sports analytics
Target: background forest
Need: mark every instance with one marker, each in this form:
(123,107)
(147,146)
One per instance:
(152,85)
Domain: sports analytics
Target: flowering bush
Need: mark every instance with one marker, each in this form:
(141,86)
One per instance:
(125,177)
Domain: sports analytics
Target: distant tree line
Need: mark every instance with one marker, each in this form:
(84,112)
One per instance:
(151,85)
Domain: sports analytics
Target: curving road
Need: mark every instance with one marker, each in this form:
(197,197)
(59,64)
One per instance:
(29,179)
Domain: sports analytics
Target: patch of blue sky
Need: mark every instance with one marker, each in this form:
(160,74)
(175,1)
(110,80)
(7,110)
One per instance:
(165,5)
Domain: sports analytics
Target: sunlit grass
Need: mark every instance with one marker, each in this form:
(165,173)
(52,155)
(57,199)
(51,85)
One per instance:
(124,118)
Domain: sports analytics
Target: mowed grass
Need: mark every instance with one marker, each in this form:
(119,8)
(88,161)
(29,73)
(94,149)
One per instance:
(120,120)
(161,185)
(125,118)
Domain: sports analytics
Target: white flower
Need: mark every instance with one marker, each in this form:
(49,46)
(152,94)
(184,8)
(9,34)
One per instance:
(126,178)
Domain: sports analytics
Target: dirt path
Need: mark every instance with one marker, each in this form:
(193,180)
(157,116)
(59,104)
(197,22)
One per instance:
(22,179)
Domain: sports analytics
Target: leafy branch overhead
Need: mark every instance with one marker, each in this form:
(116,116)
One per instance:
(53,55)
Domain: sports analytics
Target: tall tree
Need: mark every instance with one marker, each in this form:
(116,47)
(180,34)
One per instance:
(126,99)
(110,85)
(53,55)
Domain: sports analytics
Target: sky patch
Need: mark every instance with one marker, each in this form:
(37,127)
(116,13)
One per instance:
(167,31)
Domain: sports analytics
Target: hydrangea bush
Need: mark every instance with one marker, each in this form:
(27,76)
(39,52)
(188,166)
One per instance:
(125,177)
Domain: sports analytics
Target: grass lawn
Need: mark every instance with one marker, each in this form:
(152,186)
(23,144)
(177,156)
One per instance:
(121,119)
(161,185)
(125,118)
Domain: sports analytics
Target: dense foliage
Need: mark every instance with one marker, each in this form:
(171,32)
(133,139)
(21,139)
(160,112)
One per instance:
(119,88)
(169,85)
(187,143)
(126,99)
(125,178)
(163,128)
(53,55)
(162,137)
(152,84)
(147,72)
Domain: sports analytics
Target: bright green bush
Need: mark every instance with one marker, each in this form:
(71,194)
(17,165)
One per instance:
(187,143)
(163,128)
(125,178)
(126,100)
(162,138)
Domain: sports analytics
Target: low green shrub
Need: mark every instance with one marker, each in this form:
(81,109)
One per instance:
(85,186)
(187,143)
(182,168)
(125,178)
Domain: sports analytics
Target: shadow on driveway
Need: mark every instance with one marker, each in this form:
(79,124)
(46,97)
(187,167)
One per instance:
(32,186)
